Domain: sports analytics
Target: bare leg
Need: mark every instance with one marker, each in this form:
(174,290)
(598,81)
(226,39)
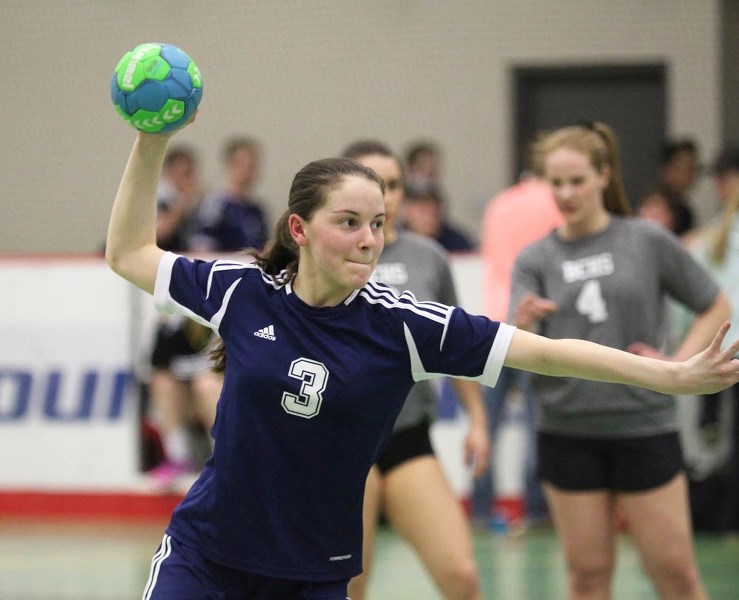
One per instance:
(659,522)
(423,509)
(171,403)
(370,517)
(585,524)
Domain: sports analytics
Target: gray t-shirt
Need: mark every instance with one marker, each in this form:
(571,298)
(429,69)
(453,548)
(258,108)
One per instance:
(611,288)
(419,264)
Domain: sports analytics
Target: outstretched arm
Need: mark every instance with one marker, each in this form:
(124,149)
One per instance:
(707,372)
(131,249)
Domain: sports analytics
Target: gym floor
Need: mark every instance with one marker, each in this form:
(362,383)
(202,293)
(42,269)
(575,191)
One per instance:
(104,560)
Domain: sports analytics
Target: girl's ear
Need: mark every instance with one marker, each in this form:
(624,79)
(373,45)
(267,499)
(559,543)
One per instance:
(297,228)
(605,176)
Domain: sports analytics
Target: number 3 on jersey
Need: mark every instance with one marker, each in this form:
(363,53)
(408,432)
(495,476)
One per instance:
(314,376)
(590,302)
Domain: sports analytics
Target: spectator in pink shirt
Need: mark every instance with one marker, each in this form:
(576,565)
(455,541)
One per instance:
(516,217)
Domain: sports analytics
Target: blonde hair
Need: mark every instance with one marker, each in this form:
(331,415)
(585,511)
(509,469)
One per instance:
(718,242)
(598,142)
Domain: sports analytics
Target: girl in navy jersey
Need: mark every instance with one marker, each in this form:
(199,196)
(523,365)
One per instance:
(407,483)
(318,362)
(605,277)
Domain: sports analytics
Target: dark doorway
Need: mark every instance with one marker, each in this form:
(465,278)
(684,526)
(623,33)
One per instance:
(631,99)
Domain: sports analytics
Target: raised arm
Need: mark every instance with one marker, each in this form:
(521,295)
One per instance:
(707,372)
(131,249)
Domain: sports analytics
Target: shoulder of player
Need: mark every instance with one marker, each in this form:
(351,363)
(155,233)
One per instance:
(245,269)
(644,228)
(546,246)
(422,242)
(399,305)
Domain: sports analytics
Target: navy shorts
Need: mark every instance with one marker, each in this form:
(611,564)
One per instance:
(179,572)
(617,464)
(404,445)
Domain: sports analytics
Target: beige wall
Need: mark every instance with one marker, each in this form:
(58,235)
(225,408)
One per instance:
(306,77)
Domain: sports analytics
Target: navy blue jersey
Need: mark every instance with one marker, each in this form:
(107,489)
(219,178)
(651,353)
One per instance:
(229,224)
(309,398)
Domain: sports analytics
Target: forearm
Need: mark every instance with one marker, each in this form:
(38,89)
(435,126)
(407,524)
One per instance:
(131,243)
(587,360)
(470,396)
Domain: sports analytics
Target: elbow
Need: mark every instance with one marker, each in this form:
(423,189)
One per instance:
(114,259)
(720,310)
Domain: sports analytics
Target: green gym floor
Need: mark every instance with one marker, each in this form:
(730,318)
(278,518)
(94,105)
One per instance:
(50,560)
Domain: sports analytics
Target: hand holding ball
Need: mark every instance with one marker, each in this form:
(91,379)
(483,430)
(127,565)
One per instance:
(156,88)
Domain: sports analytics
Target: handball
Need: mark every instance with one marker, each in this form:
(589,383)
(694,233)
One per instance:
(156,88)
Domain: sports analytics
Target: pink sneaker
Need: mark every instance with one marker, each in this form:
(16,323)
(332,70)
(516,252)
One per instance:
(164,476)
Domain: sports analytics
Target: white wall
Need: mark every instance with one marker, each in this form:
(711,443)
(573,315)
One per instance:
(306,78)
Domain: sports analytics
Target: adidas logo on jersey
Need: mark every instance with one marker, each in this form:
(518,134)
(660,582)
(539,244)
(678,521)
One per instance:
(268,333)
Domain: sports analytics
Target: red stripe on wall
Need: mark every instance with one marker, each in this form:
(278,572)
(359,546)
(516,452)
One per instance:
(34,504)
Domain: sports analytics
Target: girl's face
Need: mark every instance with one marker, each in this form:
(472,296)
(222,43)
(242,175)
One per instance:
(341,243)
(578,189)
(389,170)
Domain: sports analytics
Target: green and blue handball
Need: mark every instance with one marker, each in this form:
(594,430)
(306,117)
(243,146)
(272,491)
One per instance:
(156,88)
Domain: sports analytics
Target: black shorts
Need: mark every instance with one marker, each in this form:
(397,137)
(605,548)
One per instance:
(182,349)
(617,464)
(404,445)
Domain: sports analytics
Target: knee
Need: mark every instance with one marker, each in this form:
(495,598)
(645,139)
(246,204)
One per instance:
(357,588)
(677,574)
(461,581)
(591,576)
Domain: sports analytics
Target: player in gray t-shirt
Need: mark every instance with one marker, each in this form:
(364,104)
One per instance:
(605,277)
(407,482)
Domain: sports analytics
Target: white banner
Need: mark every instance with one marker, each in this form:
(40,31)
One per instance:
(68,414)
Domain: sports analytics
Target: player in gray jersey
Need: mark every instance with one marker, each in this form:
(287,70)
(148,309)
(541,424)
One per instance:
(604,276)
(407,483)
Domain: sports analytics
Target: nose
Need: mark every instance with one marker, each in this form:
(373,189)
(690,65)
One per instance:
(564,192)
(368,238)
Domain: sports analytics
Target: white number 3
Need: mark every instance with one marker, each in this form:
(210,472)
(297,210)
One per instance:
(314,376)
(590,302)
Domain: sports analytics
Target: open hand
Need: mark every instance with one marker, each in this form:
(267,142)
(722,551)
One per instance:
(531,309)
(712,370)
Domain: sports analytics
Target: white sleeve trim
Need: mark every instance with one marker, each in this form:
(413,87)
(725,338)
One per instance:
(162,300)
(497,355)
(493,365)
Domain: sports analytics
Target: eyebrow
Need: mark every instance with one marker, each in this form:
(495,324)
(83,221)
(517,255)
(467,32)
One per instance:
(355,213)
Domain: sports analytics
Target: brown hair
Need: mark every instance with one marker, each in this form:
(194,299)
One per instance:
(599,143)
(308,192)
(177,153)
(232,145)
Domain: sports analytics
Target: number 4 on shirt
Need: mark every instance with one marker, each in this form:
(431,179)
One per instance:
(590,302)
